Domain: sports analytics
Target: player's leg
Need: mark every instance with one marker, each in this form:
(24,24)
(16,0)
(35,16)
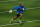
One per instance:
(20,17)
(17,15)
(21,14)
(13,19)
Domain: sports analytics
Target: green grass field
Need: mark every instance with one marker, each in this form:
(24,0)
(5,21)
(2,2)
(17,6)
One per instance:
(29,16)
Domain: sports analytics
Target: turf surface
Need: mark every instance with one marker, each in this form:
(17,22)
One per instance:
(28,15)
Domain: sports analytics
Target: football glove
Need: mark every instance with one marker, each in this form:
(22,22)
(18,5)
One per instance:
(10,11)
(23,8)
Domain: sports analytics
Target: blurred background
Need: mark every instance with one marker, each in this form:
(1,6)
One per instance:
(31,17)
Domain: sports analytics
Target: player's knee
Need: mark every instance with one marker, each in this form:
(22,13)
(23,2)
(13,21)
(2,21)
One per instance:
(21,15)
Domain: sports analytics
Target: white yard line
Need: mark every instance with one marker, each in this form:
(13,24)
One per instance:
(34,8)
(4,12)
(18,23)
(3,25)
(9,24)
(8,0)
(12,0)
(29,21)
(3,1)
(37,7)
(36,20)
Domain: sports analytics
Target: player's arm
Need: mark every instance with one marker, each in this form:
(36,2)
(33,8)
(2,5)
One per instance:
(13,9)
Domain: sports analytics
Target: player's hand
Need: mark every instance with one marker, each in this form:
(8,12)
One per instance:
(10,11)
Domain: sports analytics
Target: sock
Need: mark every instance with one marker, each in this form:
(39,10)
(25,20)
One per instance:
(10,21)
(19,20)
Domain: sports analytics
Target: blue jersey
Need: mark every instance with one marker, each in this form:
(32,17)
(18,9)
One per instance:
(19,9)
